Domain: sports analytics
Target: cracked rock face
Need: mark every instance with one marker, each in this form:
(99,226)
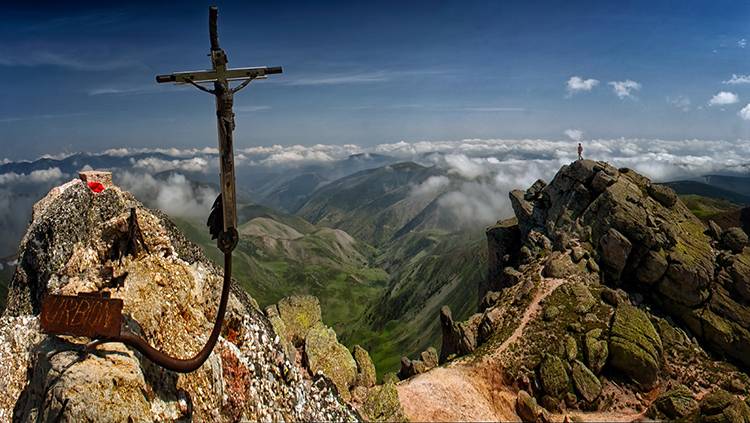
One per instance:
(643,238)
(170,294)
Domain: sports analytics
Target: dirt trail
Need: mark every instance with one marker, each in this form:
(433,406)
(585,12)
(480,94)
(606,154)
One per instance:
(469,393)
(477,392)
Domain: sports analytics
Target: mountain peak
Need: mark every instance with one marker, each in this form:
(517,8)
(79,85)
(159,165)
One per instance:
(77,243)
(603,289)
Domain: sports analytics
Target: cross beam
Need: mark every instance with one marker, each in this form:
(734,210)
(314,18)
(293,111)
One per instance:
(235,74)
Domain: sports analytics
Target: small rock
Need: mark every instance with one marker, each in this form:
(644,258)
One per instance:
(553,376)
(550,313)
(585,382)
(527,407)
(734,239)
(714,230)
(366,375)
(663,194)
(615,250)
(571,348)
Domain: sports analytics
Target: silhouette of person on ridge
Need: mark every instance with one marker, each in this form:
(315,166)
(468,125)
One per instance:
(580,151)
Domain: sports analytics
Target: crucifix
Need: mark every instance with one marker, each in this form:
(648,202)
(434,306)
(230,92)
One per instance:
(220,75)
(99,317)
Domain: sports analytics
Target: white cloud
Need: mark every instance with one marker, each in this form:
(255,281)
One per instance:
(156,165)
(140,89)
(737,79)
(681,102)
(250,109)
(577,84)
(745,112)
(297,154)
(46,175)
(431,186)
(742,43)
(36,177)
(176,195)
(625,88)
(723,98)
(574,134)
(340,79)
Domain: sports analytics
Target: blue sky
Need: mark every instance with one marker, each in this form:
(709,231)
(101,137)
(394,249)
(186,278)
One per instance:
(81,77)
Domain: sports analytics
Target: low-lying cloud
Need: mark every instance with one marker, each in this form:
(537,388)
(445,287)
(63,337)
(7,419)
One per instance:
(175,195)
(478,175)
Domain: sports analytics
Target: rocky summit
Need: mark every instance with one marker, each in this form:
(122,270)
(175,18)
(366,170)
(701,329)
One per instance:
(606,300)
(73,245)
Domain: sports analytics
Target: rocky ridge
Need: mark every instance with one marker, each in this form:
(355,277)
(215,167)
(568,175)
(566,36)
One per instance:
(606,299)
(170,291)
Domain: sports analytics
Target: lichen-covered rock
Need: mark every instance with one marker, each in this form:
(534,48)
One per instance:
(366,375)
(634,346)
(721,406)
(663,194)
(170,292)
(571,348)
(324,353)
(300,313)
(734,239)
(527,408)
(585,382)
(272,312)
(653,267)
(553,376)
(558,265)
(615,249)
(382,404)
(596,351)
(673,404)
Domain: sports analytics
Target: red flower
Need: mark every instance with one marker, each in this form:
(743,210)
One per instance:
(96,186)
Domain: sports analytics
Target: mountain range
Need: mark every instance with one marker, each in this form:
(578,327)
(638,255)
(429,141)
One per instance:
(368,235)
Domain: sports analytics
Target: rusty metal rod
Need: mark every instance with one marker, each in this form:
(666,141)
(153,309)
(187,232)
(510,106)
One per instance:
(190,364)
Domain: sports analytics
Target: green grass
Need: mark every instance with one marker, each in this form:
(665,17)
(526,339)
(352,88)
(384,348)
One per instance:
(386,299)
(704,207)
(344,288)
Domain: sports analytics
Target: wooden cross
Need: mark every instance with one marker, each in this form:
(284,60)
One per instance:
(221,76)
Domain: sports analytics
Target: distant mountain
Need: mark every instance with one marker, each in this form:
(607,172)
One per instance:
(738,184)
(293,193)
(376,204)
(716,190)
(75,162)
(281,254)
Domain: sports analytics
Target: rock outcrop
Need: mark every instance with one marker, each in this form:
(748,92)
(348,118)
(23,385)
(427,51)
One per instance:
(170,293)
(645,240)
(605,309)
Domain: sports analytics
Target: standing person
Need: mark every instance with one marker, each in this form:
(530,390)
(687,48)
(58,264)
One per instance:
(580,151)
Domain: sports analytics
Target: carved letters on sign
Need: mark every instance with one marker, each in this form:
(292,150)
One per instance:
(82,315)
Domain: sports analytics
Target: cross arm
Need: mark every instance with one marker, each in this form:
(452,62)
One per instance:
(212,75)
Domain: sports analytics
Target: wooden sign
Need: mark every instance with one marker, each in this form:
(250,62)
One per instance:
(92,316)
